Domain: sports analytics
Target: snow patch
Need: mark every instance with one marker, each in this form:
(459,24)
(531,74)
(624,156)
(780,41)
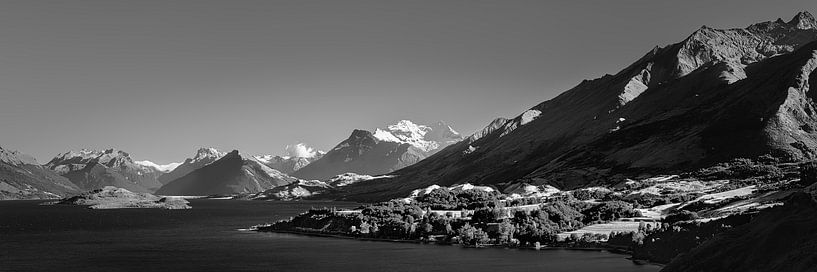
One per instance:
(161,167)
(529,116)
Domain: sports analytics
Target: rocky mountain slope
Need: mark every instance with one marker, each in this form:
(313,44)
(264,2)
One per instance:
(96,169)
(231,174)
(716,95)
(203,157)
(397,146)
(21,177)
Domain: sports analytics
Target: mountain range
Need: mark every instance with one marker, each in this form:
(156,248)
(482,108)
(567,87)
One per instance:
(233,173)
(718,94)
(21,177)
(211,172)
(91,170)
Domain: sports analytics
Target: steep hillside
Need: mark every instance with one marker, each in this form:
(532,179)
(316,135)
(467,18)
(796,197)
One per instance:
(717,95)
(21,177)
(231,174)
(782,238)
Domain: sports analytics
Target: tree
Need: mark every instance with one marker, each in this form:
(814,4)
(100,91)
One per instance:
(486,215)
(448,229)
(426,229)
(506,230)
(365,227)
(470,235)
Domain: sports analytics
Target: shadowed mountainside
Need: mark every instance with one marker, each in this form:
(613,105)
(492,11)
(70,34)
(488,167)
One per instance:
(717,95)
(783,238)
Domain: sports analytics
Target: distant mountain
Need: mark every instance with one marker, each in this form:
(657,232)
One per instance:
(717,95)
(203,157)
(96,169)
(287,164)
(383,151)
(426,138)
(231,174)
(21,177)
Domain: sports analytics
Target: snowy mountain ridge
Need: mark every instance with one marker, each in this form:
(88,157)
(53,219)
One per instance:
(160,167)
(425,138)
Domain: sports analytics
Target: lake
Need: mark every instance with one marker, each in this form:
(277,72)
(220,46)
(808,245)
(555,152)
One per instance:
(207,238)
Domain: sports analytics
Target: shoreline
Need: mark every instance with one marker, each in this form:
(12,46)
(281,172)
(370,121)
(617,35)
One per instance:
(613,250)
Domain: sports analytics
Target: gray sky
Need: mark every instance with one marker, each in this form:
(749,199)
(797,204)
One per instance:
(160,78)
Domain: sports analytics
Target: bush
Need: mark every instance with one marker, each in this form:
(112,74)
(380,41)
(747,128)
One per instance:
(682,215)
(808,173)
(589,194)
(609,211)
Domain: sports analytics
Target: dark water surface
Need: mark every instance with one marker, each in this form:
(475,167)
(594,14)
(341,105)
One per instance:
(206,238)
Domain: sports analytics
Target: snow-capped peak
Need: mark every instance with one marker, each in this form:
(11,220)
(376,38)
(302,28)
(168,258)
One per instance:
(208,153)
(83,154)
(108,156)
(265,158)
(16,158)
(386,136)
(161,167)
(423,137)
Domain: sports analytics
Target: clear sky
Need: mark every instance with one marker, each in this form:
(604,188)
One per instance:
(161,78)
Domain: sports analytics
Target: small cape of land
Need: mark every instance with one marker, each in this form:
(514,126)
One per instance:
(111,197)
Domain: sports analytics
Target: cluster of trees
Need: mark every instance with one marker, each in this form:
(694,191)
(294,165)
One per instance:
(446,199)
(490,223)
(609,211)
(664,242)
(527,201)
(764,168)
(590,194)
(651,200)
